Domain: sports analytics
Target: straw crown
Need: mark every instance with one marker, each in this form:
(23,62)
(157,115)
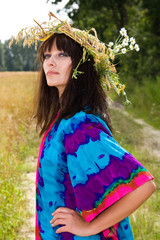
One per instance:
(103,54)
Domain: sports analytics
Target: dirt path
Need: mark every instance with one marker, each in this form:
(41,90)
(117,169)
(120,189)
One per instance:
(151,138)
(151,135)
(27,231)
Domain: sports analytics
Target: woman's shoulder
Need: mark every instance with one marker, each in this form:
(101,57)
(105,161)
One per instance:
(83,120)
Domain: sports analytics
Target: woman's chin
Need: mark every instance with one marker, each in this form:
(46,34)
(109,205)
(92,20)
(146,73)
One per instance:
(50,84)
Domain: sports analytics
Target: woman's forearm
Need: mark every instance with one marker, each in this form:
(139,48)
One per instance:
(121,209)
(71,220)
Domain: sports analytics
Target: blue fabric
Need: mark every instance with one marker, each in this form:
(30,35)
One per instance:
(82,167)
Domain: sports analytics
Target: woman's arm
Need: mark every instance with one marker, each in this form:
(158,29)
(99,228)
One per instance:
(123,208)
(74,223)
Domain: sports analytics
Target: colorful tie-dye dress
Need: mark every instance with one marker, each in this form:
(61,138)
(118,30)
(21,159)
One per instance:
(82,167)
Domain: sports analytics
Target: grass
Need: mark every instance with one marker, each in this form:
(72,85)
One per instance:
(19,142)
(145,99)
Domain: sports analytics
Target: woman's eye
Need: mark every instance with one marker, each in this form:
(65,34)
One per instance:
(46,55)
(63,54)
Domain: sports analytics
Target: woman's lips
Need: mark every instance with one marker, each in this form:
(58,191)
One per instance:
(49,73)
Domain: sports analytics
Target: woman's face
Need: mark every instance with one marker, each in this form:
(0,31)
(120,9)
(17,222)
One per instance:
(57,66)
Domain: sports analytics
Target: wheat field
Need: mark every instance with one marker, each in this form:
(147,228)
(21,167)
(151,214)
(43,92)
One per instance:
(18,139)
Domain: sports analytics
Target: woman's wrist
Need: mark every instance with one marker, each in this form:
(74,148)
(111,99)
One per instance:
(93,228)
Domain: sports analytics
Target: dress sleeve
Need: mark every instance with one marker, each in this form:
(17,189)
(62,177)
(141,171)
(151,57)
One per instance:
(101,171)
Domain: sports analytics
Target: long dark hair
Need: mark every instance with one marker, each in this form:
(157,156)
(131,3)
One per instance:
(82,94)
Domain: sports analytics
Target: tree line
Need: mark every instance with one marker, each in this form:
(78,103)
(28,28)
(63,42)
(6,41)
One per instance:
(140,17)
(17,57)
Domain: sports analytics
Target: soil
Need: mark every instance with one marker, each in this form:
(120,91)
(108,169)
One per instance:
(28,230)
(151,135)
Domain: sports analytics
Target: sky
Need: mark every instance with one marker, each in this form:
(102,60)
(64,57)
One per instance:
(16,14)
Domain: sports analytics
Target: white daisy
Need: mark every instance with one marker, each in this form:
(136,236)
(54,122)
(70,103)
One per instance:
(123,50)
(116,49)
(125,42)
(123,32)
(127,38)
(131,46)
(110,44)
(136,47)
(132,40)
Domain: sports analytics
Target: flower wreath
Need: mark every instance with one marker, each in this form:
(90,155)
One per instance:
(103,54)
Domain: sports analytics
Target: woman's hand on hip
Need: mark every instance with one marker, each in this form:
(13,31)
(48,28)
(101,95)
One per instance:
(71,221)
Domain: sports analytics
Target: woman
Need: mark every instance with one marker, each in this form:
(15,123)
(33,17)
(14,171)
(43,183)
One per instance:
(87,184)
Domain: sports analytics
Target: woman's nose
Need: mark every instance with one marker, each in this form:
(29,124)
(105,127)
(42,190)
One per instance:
(52,61)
